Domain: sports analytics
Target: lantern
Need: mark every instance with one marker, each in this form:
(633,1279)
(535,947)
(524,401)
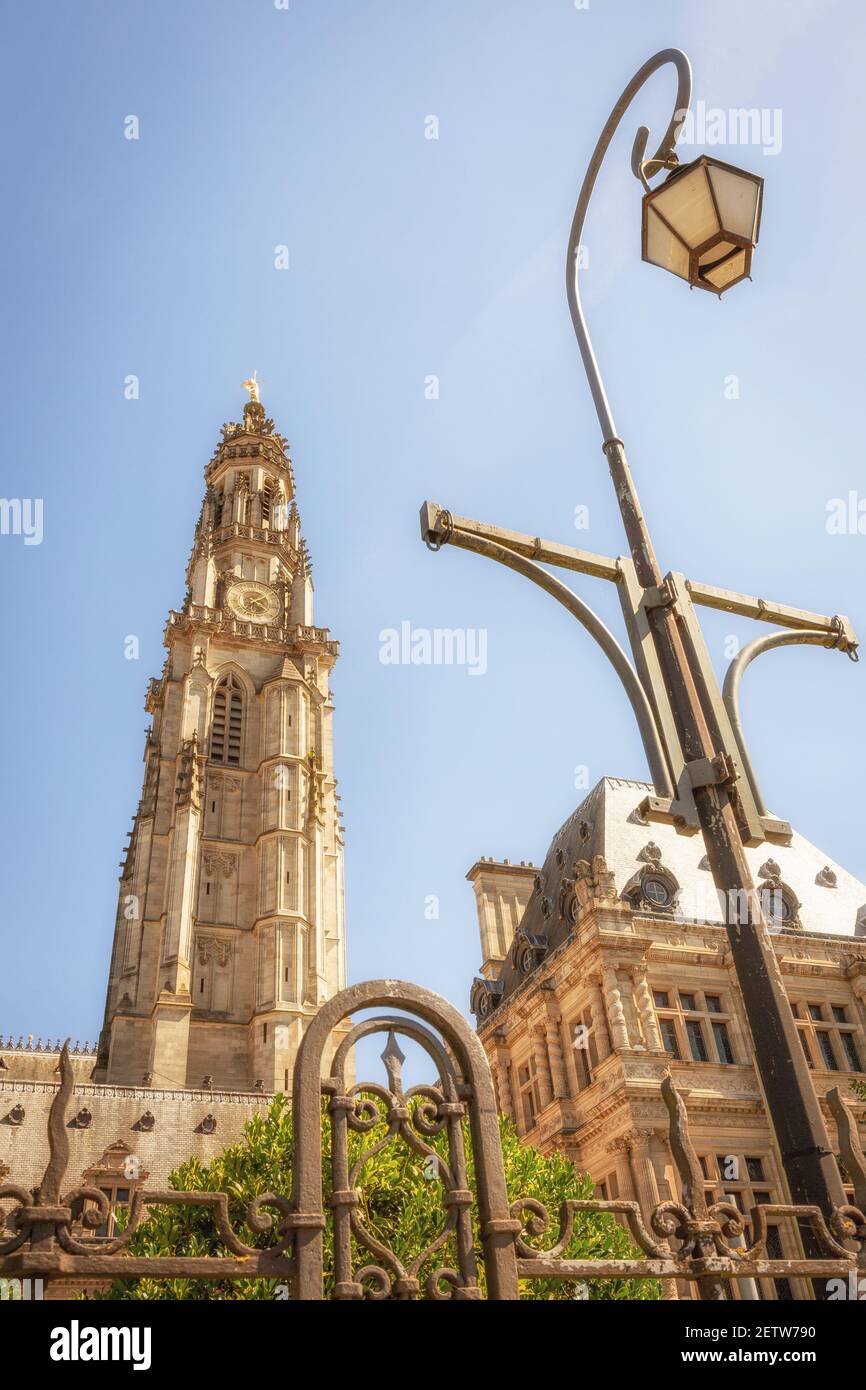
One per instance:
(702,223)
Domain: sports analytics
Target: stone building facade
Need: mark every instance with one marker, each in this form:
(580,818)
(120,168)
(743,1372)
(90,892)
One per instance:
(230,927)
(610,965)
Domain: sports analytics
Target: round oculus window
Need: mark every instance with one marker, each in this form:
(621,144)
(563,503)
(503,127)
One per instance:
(656,891)
(776,905)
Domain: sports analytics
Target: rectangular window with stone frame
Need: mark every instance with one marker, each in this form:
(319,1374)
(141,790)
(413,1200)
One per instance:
(829,1034)
(746,1181)
(584,1048)
(694,1024)
(528,1091)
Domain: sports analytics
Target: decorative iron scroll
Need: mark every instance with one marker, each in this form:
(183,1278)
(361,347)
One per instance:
(43,1223)
(685,1239)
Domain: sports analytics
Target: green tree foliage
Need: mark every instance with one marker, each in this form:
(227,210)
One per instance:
(400,1205)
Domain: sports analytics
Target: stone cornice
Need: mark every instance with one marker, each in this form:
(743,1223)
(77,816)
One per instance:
(97,1091)
(199,617)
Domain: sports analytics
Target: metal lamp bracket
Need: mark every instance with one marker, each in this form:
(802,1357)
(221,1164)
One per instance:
(663,595)
(712,772)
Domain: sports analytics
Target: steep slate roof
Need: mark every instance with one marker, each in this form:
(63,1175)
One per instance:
(606,823)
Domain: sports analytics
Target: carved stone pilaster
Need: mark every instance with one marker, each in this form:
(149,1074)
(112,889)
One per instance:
(619,1148)
(503,1078)
(542,1066)
(553,1033)
(643,1171)
(600,1033)
(615,1011)
(646,1011)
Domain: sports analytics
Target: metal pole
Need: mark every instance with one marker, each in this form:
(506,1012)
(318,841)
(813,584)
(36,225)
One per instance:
(810,1167)
(731,690)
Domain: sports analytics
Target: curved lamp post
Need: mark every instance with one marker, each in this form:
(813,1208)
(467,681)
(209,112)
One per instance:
(676,206)
(701,222)
(734,674)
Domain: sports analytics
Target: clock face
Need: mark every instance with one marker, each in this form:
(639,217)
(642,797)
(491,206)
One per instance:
(254,602)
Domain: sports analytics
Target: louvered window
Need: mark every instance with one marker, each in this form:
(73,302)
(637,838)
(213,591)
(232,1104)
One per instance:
(227,726)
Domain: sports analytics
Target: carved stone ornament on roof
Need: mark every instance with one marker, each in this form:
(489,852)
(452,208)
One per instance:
(568,900)
(583,882)
(650,854)
(826,878)
(603,879)
(770,869)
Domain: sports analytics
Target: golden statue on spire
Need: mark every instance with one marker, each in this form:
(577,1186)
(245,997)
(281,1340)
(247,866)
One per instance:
(252,386)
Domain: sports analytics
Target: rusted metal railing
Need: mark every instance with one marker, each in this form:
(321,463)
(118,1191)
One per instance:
(687,1239)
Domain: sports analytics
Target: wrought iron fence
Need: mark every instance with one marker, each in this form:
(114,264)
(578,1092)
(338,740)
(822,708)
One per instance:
(686,1240)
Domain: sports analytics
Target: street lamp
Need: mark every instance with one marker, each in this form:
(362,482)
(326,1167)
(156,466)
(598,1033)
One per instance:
(702,223)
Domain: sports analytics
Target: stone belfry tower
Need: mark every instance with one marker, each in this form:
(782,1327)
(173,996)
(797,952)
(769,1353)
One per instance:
(230,922)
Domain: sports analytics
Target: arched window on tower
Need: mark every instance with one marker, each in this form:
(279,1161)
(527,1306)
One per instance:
(267,501)
(227,726)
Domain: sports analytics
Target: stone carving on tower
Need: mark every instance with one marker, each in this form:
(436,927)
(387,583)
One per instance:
(230,922)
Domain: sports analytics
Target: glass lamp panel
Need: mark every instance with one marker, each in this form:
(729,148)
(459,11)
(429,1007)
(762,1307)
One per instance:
(739,199)
(732,268)
(663,248)
(687,204)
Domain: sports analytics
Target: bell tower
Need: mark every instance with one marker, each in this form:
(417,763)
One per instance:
(230,921)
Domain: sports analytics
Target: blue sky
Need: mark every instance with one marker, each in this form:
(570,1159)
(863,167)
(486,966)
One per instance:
(409,257)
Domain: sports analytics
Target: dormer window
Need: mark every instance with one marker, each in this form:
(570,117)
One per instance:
(657,890)
(653,889)
(486,995)
(779,904)
(528,950)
